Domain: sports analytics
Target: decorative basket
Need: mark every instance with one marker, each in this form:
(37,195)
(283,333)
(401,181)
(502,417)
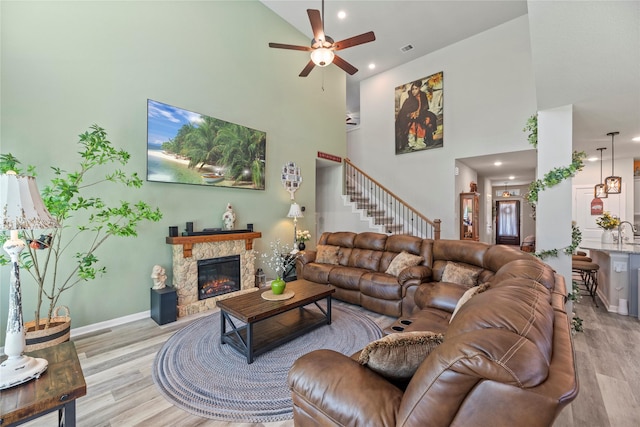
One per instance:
(59,331)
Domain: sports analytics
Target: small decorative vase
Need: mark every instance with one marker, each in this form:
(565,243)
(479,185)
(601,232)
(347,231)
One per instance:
(607,236)
(301,246)
(277,286)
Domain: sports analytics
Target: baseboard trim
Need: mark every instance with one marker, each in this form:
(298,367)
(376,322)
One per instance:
(83,330)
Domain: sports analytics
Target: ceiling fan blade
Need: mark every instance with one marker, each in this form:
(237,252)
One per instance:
(289,46)
(307,69)
(316,24)
(344,65)
(355,41)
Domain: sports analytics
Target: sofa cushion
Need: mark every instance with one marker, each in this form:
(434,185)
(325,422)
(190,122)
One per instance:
(397,356)
(380,285)
(460,274)
(341,238)
(365,258)
(327,254)
(525,311)
(346,277)
(467,296)
(316,272)
(528,268)
(403,242)
(401,261)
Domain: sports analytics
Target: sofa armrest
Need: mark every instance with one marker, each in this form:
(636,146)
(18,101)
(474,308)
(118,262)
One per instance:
(303,258)
(416,274)
(330,385)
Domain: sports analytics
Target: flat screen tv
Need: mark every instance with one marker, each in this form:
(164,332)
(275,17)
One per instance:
(190,148)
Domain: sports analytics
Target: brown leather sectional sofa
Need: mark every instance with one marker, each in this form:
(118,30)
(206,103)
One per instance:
(506,358)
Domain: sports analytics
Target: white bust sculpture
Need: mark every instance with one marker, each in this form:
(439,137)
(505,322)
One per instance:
(159,276)
(228,218)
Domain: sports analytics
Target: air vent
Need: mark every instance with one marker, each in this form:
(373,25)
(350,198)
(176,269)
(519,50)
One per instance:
(406,48)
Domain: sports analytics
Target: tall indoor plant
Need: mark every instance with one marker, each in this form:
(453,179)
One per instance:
(86,220)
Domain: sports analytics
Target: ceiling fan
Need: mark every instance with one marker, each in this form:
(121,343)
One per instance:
(323,47)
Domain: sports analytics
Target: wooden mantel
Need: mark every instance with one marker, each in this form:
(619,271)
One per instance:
(187,242)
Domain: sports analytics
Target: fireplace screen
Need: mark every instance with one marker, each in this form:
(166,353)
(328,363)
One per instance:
(218,276)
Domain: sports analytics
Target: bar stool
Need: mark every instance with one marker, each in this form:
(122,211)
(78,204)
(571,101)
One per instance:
(588,271)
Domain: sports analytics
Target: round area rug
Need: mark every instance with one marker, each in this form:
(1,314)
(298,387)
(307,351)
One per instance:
(198,374)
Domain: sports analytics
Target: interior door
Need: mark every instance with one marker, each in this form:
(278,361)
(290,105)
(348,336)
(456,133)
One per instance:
(508,222)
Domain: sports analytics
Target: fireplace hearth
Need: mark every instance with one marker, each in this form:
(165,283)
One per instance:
(188,250)
(218,276)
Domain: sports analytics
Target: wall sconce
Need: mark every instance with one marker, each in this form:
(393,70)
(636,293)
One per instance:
(613,184)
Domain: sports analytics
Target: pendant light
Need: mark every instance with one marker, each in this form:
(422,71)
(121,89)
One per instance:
(506,193)
(599,190)
(613,184)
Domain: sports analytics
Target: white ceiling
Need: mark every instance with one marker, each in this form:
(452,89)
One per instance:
(585,53)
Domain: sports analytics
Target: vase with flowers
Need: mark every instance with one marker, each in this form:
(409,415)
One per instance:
(279,260)
(301,237)
(607,222)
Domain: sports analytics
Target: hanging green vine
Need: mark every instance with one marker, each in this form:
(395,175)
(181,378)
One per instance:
(532,128)
(555,176)
(550,179)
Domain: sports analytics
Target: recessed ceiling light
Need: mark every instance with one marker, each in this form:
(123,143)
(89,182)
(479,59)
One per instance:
(512,177)
(372,66)
(636,139)
(342,14)
(497,164)
(593,159)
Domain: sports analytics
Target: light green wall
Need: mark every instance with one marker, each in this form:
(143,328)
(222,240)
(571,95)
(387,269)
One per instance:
(67,65)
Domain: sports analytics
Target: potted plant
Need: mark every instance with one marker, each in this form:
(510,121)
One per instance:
(301,237)
(86,222)
(607,222)
(279,259)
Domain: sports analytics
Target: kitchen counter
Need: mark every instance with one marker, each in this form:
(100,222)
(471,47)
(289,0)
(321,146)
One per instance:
(618,274)
(627,248)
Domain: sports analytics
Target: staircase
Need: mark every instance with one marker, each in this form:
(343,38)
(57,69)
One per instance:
(386,212)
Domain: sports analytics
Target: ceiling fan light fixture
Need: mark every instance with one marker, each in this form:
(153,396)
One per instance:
(322,56)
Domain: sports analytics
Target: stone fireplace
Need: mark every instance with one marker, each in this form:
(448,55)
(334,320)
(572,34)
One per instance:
(188,250)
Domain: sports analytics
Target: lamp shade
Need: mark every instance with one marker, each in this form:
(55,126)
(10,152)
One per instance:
(295,211)
(21,207)
(322,56)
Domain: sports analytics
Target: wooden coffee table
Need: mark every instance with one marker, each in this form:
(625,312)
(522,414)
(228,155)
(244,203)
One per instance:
(268,324)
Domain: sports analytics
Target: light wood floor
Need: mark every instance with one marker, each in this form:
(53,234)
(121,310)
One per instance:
(120,392)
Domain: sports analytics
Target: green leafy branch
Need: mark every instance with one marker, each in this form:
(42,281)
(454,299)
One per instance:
(63,200)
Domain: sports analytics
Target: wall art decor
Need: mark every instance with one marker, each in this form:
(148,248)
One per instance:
(291,178)
(419,114)
(191,148)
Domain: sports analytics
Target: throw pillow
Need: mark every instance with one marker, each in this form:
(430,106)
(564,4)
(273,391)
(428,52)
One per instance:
(401,261)
(456,273)
(467,296)
(398,356)
(327,254)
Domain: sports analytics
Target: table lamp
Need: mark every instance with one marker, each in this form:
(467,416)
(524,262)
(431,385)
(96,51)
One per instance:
(295,212)
(21,208)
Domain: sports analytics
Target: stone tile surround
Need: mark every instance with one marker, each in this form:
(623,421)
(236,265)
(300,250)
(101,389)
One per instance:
(188,250)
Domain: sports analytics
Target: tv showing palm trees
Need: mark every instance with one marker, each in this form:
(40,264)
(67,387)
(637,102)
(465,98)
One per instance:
(190,148)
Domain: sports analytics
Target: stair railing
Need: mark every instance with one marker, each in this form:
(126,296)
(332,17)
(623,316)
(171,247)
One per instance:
(385,207)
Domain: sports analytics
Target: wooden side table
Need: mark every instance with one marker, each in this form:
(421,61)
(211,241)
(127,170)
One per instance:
(56,390)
